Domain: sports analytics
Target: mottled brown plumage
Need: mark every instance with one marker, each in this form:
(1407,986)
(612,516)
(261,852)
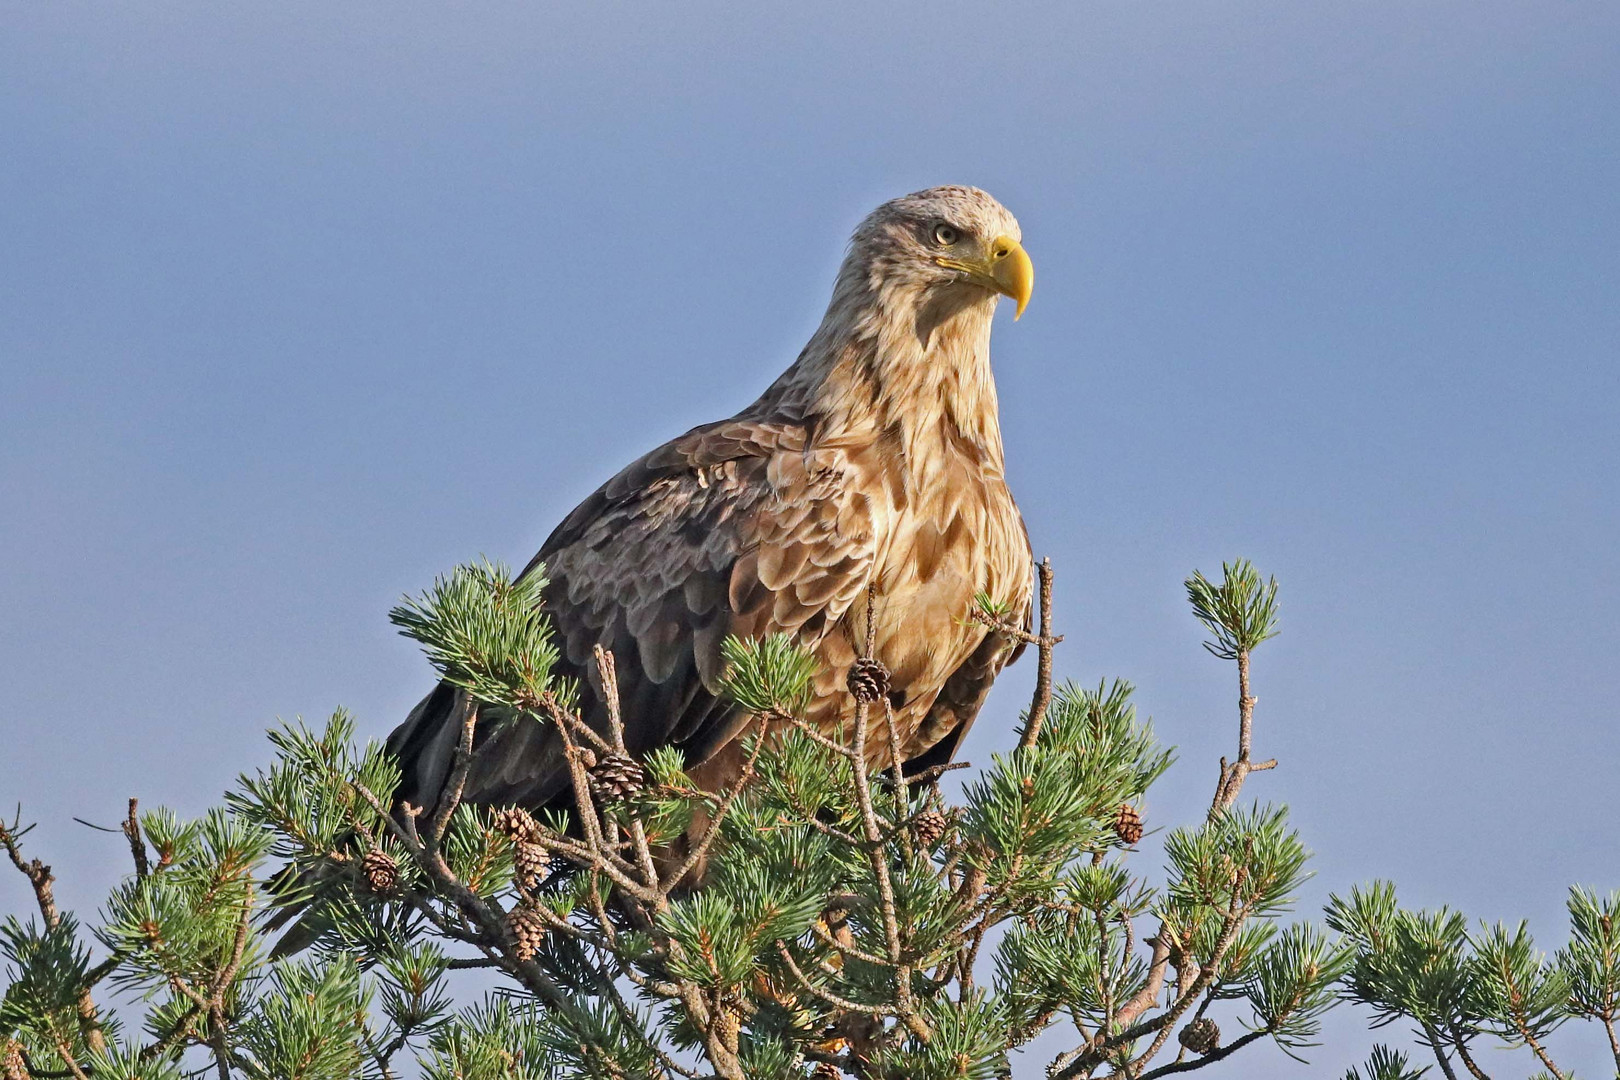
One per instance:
(875,459)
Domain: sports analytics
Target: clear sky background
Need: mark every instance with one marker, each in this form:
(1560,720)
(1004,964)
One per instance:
(303,303)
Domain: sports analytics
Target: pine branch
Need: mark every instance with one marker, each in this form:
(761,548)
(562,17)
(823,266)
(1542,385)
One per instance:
(874,838)
(1044,642)
(137,844)
(38,874)
(1460,1044)
(457,782)
(832,999)
(1218,1054)
(1436,1044)
(607,674)
(842,908)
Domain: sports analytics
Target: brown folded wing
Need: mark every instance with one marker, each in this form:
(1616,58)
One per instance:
(733,528)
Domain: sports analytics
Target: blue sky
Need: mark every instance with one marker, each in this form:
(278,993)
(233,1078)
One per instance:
(303,303)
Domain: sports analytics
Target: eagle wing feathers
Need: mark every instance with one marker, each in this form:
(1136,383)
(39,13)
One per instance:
(734,528)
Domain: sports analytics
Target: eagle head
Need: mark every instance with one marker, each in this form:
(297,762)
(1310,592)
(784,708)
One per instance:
(950,237)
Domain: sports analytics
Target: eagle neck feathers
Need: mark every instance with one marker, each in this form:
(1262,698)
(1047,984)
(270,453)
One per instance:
(895,361)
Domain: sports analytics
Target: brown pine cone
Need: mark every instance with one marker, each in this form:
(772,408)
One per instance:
(1128,824)
(13,1063)
(1201,1036)
(382,872)
(514,823)
(617,777)
(929,828)
(868,679)
(528,931)
(827,1071)
(531,864)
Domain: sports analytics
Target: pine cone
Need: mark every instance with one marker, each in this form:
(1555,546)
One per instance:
(930,827)
(514,823)
(868,679)
(827,1071)
(382,872)
(531,864)
(1201,1036)
(617,777)
(1128,824)
(13,1063)
(528,931)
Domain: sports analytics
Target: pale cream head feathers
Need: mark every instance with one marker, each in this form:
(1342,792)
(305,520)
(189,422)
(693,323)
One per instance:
(944,236)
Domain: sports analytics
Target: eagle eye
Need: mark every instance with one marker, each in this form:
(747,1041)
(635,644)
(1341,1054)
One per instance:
(945,236)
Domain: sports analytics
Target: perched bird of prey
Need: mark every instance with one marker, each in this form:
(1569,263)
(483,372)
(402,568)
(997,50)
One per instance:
(874,460)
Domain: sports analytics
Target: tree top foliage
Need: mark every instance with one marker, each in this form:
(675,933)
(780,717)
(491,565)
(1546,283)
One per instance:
(819,918)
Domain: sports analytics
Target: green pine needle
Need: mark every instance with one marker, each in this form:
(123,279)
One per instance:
(1241,612)
(770,674)
(485,632)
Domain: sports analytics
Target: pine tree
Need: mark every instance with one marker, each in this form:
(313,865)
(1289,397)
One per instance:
(844,922)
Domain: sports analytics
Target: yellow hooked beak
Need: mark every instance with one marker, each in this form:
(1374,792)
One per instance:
(1005,268)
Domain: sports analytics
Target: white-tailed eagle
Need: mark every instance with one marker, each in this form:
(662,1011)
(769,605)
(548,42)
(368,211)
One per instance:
(874,460)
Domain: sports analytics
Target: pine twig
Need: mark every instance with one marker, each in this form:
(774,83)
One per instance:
(898,772)
(928,775)
(607,671)
(1210,1058)
(815,736)
(451,798)
(1147,996)
(1467,1059)
(1233,775)
(42,880)
(825,995)
(590,822)
(566,718)
(65,1052)
(713,830)
(38,874)
(137,844)
(1541,1052)
(217,1043)
(1438,1046)
(180,1031)
(1042,698)
(1206,975)
(874,842)
(850,950)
